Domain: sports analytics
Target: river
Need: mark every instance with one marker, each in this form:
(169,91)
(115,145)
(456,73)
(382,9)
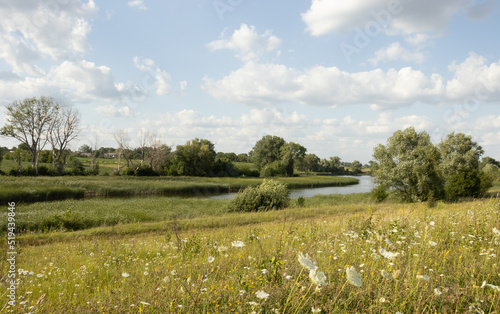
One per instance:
(365,185)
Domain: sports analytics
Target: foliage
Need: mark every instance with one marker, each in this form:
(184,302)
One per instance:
(460,166)
(267,150)
(356,166)
(408,165)
(267,196)
(196,158)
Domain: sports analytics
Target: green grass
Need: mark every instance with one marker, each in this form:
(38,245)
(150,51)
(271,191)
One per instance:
(189,265)
(29,189)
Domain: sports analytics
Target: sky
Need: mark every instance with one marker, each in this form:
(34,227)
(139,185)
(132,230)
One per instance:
(338,77)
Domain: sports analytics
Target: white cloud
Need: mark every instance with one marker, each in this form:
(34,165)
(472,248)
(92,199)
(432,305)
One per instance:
(114,111)
(139,4)
(161,77)
(402,17)
(257,84)
(247,43)
(34,28)
(396,52)
(418,40)
(474,81)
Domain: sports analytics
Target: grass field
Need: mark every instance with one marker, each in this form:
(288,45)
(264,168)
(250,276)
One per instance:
(33,189)
(184,257)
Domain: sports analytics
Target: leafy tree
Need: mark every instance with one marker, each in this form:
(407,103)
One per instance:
(409,166)
(196,158)
(356,166)
(29,121)
(310,163)
(85,149)
(292,154)
(460,165)
(267,150)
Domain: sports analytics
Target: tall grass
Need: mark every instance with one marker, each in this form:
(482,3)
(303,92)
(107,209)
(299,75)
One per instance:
(439,260)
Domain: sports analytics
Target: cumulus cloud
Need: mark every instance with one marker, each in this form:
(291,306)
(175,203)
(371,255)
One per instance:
(161,77)
(474,80)
(114,111)
(396,52)
(139,4)
(32,29)
(257,84)
(401,17)
(247,43)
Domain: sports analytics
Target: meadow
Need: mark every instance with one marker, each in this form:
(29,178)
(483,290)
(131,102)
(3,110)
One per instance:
(192,256)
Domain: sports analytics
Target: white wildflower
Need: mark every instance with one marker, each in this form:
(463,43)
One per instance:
(387,254)
(238,244)
(318,277)
(496,231)
(314,310)
(261,294)
(306,261)
(211,259)
(125,275)
(432,243)
(353,276)
(437,291)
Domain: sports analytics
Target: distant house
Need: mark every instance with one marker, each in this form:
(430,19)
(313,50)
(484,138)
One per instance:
(86,154)
(110,155)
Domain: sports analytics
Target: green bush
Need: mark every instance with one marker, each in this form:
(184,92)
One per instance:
(379,193)
(266,196)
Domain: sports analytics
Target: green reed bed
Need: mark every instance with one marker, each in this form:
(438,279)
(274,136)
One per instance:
(32,189)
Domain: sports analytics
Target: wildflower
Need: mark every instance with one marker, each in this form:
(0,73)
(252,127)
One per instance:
(166,279)
(386,274)
(382,300)
(470,212)
(423,277)
(307,262)
(264,271)
(173,272)
(496,231)
(238,244)
(497,288)
(261,294)
(387,254)
(222,248)
(432,243)
(437,291)
(314,310)
(353,276)
(126,275)
(432,223)
(389,242)
(211,259)
(252,303)
(146,273)
(318,277)
(145,303)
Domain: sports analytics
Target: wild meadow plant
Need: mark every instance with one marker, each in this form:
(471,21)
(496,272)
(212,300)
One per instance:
(391,258)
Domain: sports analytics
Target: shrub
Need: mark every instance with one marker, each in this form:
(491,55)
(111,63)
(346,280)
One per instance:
(267,196)
(273,169)
(145,171)
(379,193)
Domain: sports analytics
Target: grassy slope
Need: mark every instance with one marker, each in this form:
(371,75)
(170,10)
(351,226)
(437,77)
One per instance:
(190,262)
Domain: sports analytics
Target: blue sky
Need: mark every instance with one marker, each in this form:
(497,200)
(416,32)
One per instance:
(338,77)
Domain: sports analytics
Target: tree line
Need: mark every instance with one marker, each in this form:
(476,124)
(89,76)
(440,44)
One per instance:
(413,169)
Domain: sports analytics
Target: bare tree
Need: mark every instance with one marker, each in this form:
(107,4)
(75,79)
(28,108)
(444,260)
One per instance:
(63,129)
(28,121)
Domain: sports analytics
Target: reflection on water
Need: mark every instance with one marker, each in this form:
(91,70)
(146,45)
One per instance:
(365,185)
